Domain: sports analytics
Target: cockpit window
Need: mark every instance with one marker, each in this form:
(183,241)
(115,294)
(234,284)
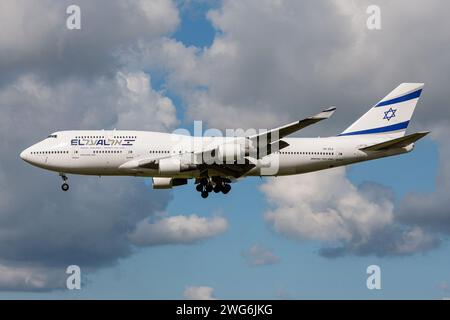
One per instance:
(52,136)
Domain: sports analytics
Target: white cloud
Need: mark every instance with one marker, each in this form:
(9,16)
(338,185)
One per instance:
(413,240)
(258,255)
(29,278)
(250,70)
(125,101)
(34,37)
(162,15)
(20,20)
(270,62)
(54,79)
(38,106)
(327,207)
(266,57)
(139,106)
(177,230)
(199,293)
(431,209)
(323,206)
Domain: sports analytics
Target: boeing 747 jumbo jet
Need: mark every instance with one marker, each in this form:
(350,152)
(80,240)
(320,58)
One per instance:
(215,162)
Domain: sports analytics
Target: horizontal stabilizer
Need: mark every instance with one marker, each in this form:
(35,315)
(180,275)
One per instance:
(397,143)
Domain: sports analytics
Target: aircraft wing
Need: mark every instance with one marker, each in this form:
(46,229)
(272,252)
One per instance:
(281,132)
(143,163)
(270,141)
(231,170)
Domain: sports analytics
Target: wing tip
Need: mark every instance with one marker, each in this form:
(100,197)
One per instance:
(325,114)
(423,133)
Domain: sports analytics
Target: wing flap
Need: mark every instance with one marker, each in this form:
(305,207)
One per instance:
(232,170)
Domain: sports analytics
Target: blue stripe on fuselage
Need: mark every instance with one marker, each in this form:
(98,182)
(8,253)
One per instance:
(394,127)
(409,96)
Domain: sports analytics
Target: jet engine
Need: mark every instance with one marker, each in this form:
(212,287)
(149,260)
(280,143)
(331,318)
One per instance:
(173,166)
(167,183)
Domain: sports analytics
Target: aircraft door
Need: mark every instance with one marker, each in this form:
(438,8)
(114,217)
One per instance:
(75,152)
(338,154)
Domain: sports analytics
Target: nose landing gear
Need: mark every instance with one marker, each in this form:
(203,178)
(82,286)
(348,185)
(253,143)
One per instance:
(65,185)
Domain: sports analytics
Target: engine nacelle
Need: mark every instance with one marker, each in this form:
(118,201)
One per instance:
(167,183)
(169,166)
(231,152)
(173,166)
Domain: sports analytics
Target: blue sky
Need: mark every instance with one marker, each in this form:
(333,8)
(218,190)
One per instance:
(273,80)
(163,272)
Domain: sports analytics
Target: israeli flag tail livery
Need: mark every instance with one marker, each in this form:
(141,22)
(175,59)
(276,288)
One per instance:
(389,117)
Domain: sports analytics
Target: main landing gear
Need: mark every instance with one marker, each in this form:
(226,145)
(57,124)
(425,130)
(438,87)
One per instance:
(65,185)
(207,185)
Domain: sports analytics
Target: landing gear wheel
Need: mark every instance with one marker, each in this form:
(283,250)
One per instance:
(199,187)
(217,188)
(205,194)
(226,188)
(209,188)
(64,186)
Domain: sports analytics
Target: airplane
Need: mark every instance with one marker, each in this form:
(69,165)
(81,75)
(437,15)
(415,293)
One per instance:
(216,162)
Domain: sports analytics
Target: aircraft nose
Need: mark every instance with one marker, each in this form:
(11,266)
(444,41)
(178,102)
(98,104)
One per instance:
(24,155)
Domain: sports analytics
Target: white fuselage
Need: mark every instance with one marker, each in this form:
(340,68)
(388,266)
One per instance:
(102,153)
